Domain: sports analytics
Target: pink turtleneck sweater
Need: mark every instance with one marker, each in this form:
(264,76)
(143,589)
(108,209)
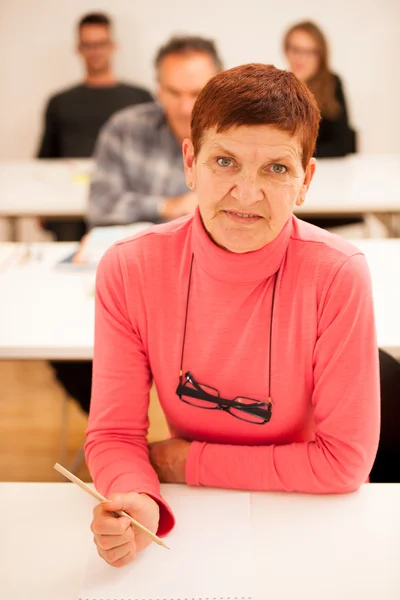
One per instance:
(323,434)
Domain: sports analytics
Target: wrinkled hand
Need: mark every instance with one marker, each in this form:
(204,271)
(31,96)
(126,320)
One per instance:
(116,540)
(169,459)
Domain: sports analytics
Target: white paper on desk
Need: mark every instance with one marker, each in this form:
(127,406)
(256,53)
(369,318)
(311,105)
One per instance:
(209,556)
(99,239)
(94,245)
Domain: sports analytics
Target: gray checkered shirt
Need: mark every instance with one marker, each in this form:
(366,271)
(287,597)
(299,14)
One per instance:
(138,163)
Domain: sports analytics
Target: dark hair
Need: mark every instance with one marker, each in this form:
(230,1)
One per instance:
(257,94)
(188,45)
(95,19)
(323,83)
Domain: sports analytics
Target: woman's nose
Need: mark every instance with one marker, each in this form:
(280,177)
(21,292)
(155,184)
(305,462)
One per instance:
(248,189)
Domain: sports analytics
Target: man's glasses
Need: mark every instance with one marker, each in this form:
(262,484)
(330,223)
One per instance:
(204,396)
(89,46)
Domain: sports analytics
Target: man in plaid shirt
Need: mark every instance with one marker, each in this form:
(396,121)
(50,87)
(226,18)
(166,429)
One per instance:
(139,173)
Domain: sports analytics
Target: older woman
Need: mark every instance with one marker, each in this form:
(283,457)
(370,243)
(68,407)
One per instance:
(257,328)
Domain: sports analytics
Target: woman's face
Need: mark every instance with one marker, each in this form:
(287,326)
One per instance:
(248,180)
(302,55)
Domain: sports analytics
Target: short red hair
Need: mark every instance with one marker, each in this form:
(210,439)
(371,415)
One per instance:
(257,94)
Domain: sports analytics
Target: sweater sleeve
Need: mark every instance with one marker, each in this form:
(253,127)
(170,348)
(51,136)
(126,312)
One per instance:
(49,144)
(116,445)
(339,141)
(111,200)
(346,408)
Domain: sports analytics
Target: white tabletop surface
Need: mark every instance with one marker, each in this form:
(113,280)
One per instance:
(44,187)
(359,183)
(304,547)
(45,313)
(383,257)
(49,314)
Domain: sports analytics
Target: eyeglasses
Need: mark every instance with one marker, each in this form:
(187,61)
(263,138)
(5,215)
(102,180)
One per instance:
(204,396)
(307,52)
(88,46)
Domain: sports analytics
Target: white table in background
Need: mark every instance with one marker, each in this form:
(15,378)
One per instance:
(304,547)
(45,313)
(359,184)
(383,257)
(49,314)
(43,188)
(354,185)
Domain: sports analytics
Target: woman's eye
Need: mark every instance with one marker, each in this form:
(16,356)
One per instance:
(278,169)
(224,162)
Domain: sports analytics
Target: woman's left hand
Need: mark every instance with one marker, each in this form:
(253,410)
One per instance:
(169,459)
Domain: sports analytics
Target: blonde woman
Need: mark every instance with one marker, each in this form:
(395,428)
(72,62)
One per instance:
(306,51)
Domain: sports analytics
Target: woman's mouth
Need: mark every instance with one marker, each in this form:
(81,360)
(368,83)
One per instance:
(242,217)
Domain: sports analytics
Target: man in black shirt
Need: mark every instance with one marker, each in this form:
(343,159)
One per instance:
(75,116)
(72,123)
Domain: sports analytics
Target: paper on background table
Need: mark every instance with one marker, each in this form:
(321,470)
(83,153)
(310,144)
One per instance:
(9,255)
(99,239)
(209,556)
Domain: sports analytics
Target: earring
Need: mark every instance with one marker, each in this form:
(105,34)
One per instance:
(190,184)
(301,201)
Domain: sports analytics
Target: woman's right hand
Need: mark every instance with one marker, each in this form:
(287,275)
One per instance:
(116,539)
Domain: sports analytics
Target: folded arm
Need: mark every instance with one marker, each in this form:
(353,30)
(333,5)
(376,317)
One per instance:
(345,401)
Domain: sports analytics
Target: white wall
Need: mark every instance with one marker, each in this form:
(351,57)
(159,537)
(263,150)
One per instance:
(37,58)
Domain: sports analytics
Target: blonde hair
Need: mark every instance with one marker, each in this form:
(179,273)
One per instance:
(322,85)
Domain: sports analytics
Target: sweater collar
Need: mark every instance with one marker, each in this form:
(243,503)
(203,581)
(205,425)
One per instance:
(238,268)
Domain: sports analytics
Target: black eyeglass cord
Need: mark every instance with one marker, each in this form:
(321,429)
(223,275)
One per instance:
(186,318)
(270,338)
(270,328)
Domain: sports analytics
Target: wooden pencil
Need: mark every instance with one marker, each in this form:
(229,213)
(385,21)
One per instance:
(93,492)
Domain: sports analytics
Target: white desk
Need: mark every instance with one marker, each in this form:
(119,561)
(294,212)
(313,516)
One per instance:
(383,257)
(44,313)
(354,185)
(304,547)
(48,314)
(44,188)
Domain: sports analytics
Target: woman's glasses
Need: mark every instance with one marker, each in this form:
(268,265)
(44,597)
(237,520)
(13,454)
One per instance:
(204,396)
(306,52)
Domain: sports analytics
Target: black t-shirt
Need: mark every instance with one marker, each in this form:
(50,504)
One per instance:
(74,117)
